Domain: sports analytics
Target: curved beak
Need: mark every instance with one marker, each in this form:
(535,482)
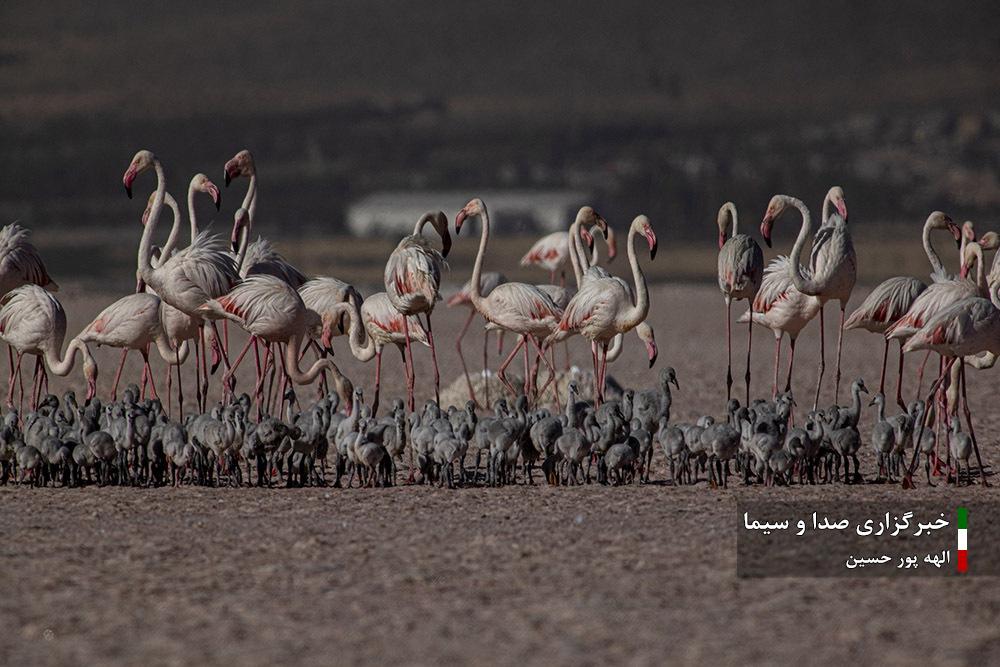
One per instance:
(588,238)
(327,338)
(652,352)
(228,169)
(955,230)
(214,193)
(127,180)
(140,285)
(612,247)
(651,240)
(459,219)
(871,402)
(841,208)
(722,239)
(964,271)
(765,229)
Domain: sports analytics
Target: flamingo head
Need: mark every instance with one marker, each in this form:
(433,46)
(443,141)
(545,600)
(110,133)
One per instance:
(989,241)
(836,196)
(241,221)
(140,284)
(645,333)
(142,161)
(149,208)
(724,220)
(774,210)
(668,376)
(440,223)
(642,225)
(241,164)
(609,236)
(201,183)
(973,252)
(473,208)
(939,220)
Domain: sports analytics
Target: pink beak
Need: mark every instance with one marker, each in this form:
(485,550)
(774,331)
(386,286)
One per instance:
(127,180)
(722,240)
(651,240)
(765,230)
(459,219)
(842,208)
(652,352)
(213,191)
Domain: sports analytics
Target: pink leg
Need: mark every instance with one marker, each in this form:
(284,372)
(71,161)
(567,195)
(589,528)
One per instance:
(749,342)
(791,363)
(502,371)
(777,360)
(840,346)
(149,372)
(20,384)
(551,378)
(227,384)
(170,387)
(885,360)
(437,372)
(409,364)
(822,357)
(899,381)
(920,373)
(378,380)
(180,385)
(458,348)
(118,375)
(729,349)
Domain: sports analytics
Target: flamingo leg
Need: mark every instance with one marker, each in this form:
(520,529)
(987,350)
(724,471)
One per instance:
(972,431)
(180,385)
(227,387)
(822,355)
(500,342)
(20,384)
(258,391)
(409,364)
(222,350)
(885,359)
(840,347)
(526,387)
(899,381)
(777,363)
(118,375)
(437,372)
(552,375)
(11,378)
(920,372)
(729,349)
(749,343)
(604,368)
(170,386)
(203,378)
(930,401)
(36,385)
(149,372)
(378,380)
(791,363)
(486,370)
(501,372)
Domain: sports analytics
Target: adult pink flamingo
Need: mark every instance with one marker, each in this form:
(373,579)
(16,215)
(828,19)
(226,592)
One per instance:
(372,326)
(552,253)
(605,307)
(133,323)
(20,264)
(783,309)
(488,281)
(32,321)
(519,308)
(259,256)
(320,295)
(269,308)
(832,270)
(741,269)
(189,277)
(965,328)
(891,299)
(413,282)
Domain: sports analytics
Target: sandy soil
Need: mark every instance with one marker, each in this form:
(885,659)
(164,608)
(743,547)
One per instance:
(521,574)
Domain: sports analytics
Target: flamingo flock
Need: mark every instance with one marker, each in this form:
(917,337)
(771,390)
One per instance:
(184,293)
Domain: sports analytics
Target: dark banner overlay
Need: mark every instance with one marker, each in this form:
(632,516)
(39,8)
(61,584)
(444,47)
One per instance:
(859,539)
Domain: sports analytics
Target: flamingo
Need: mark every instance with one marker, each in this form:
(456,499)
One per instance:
(320,295)
(259,256)
(133,323)
(604,307)
(371,327)
(832,264)
(552,253)
(965,328)
(413,280)
(489,280)
(741,269)
(268,308)
(891,299)
(520,308)
(783,309)
(20,264)
(32,321)
(190,277)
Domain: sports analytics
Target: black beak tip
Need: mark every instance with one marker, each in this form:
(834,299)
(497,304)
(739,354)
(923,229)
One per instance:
(128,191)
(228,179)
(218,204)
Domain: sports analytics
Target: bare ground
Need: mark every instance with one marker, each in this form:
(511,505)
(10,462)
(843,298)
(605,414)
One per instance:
(642,574)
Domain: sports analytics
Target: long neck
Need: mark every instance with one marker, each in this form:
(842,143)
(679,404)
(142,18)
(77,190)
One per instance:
(168,354)
(731,209)
(576,251)
(594,256)
(192,216)
(362,345)
(63,367)
(175,230)
(250,199)
(637,313)
(881,410)
(617,346)
(292,363)
(803,284)
(856,405)
(241,253)
(825,215)
(932,256)
(146,242)
(475,290)
(980,271)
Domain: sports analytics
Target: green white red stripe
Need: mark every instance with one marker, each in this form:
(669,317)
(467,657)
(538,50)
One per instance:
(963,539)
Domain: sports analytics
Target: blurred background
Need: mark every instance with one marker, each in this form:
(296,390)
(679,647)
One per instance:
(354,108)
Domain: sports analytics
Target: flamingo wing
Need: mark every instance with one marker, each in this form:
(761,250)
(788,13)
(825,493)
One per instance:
(549,252)
(888,302)
(19,260)
(263,258)
(964,328)
(29,315)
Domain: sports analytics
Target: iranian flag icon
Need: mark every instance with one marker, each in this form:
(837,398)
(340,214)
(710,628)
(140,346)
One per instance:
(963,540)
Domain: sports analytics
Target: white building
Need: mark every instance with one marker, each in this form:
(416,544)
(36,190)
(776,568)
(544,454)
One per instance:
(510,210)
